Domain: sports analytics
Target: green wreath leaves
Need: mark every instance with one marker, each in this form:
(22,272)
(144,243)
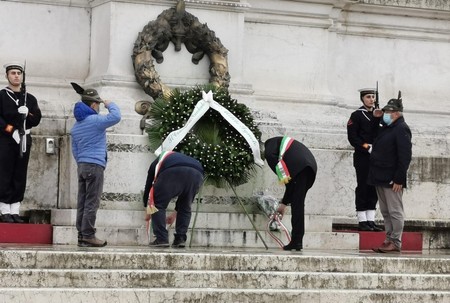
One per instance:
(223,152)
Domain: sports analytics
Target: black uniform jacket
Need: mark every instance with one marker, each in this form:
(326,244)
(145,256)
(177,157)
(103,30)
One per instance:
(391,155)
(10,116)
(297,157)
(362,128)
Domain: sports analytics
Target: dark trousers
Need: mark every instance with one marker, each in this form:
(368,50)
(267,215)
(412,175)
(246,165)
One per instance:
(297,189)
(365,195)
(182,182)
(13,170)
(90,188)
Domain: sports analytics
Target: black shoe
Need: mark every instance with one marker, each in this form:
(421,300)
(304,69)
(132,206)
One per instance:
(364,226)
(293,246)
(374,226)
(17,219)
(179,242)
(6,218)
(158,243)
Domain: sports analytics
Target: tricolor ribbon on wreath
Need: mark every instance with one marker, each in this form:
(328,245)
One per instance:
(200,109)
(275,218)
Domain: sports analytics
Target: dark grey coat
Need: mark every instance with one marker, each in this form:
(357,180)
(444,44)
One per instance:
(391,155)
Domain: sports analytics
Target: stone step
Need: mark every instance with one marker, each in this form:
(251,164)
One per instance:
(206,220)
(212,238)
(150,278)
(212,229)
(141,258)
(213,295)
(71,274)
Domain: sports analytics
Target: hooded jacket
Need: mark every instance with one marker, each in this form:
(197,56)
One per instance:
(89,133)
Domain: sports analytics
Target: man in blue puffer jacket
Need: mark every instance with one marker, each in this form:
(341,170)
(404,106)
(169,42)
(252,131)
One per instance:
(89,151)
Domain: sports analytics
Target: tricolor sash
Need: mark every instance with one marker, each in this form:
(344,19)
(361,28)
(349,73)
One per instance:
(151,208)
(282,170)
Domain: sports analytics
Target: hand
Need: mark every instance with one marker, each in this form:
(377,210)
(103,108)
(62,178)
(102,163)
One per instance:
(377,113)
(147,216)
(16,136)
(171,218)
(106,103)
(397,187)
(23,110)
(281,210)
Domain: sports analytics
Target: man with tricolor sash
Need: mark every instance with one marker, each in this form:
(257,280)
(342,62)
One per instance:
(296,168)
(171,175)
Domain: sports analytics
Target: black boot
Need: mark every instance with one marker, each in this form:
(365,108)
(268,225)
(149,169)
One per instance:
(364,226)
(17,219)
(293,246)
(179,241)
(6,218)
(374,226)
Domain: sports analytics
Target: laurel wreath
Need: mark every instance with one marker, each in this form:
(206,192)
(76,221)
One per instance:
(225,155)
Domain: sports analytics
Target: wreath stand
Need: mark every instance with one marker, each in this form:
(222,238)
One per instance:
(199,200)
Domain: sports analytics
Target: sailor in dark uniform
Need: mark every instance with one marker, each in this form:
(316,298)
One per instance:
(19,112)
(362,129)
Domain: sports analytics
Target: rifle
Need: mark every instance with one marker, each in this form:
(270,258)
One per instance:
(377,100)
(23,91)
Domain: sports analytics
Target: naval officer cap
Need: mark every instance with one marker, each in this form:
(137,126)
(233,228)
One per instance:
(13,65)
(366,91)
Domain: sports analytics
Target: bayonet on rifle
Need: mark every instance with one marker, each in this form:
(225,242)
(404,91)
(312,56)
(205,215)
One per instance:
(22,127)
(377,100)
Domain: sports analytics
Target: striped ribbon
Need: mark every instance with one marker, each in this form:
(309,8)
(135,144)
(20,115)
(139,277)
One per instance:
(281,169)
(151,208)
(275,217)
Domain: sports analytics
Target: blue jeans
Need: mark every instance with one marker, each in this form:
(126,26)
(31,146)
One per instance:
(90,188)
(182,182)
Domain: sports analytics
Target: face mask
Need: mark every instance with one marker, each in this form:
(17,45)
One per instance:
(387,118)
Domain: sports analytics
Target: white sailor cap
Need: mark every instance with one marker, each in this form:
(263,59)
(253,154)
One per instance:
(365,91)
(13,65)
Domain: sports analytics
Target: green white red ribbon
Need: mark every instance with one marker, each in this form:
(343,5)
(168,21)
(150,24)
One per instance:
(282,170)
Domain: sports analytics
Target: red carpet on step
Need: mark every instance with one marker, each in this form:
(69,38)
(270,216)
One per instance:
(26,233)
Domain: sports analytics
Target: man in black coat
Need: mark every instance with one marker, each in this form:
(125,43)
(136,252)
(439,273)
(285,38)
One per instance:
(389,163)
(295,167)
(171,175)
(362,128)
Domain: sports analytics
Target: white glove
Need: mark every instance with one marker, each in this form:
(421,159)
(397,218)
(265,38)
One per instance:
(23,110)
(370,148)
(16,136)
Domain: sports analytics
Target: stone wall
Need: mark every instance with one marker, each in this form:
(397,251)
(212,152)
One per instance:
(297,64)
